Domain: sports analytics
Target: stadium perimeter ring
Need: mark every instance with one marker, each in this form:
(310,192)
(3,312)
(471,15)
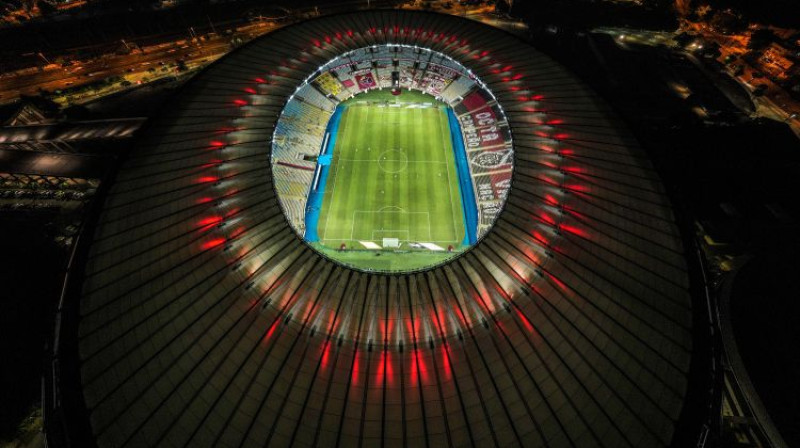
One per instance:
(202,319)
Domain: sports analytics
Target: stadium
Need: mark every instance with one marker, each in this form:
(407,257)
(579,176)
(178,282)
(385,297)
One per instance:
(383,228)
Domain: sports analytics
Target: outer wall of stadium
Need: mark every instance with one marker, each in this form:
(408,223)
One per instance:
(195,316)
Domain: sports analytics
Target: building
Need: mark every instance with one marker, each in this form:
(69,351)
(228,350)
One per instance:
(778,61)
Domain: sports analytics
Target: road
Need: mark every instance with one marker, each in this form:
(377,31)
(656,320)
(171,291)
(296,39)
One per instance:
(146,64)
(141,65)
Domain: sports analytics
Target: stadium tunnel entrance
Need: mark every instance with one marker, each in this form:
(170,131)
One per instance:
(392,159)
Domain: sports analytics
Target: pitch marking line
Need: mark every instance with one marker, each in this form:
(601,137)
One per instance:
(393,231)
(356,212)
(449,187)
(393,160)
(330,200)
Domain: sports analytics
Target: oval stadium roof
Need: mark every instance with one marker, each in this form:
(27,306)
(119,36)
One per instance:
(206,321)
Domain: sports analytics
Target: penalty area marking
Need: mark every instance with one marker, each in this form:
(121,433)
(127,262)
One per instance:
(357,212)
(391,232)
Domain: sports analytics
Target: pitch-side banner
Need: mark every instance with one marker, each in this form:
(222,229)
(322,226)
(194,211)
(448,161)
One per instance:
(365,80)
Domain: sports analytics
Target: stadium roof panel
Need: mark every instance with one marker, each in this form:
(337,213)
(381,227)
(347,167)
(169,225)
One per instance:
(206,321)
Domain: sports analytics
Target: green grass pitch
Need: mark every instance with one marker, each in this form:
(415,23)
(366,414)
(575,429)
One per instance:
(393,175)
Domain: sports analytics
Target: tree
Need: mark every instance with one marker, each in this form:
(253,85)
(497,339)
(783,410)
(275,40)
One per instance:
(728,22)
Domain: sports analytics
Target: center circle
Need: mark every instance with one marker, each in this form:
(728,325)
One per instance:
(393,161)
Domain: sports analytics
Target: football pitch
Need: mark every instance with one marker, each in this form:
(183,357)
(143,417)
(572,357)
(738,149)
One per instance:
(392,175)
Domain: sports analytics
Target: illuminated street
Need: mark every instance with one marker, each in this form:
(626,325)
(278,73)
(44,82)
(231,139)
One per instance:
(141,65)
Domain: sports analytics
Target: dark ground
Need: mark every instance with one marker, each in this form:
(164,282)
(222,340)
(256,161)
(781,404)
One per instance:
(765,306)
(736,176)
(30,274)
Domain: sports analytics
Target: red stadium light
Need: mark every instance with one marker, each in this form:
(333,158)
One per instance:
(209,221)
(527,323)
(326,354)
(380,371)
(412,372)
(354,376)
(423,370)
(573,230)
(540,238)
(446,362)
(389,369)
(237,232)
(271,330)
(548,164)
(213,243)
(577,188)
(211,164)
(547,180)
(558,282)
(461,317)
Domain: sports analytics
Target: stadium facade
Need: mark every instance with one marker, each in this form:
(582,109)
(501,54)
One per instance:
(195,314)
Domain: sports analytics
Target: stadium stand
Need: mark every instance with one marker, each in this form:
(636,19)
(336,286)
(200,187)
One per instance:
(299,132)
